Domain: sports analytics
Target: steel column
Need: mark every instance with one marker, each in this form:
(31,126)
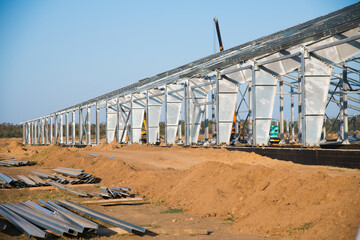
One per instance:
(292,116)
(97,129)
(250,87)
(73,133)
(80,126)
(281,96)
(56,128)
(206,123)
(345,121)
(35,131)
(51,128)
(24,134)
(61,128)
(88,125)
(300,107)
(43,130)
(46,130)
(354,126)
(67,128)
(118,120)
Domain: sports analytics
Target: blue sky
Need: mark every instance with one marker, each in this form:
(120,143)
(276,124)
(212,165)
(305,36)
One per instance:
(54,54)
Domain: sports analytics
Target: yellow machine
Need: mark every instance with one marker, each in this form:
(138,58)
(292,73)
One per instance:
(144,131)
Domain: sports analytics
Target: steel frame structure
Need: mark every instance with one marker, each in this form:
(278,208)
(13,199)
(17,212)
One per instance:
(302,58)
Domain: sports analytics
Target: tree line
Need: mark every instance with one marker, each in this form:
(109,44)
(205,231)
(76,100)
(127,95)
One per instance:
(9,130)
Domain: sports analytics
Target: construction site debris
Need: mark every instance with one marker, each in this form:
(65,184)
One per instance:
(108,202)
(70,190)
(102,217)
(75,173)
(12,163)
(38,179)
(30,218)
(113,192)
(24,226)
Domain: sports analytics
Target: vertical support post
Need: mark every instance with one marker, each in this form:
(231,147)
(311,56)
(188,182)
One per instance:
(292,116)
(46,130)
(324,131)
(29,132)
(218,77)
(51,128)
(299,135)
(56,128)
(88,125)
(206,123)
(61,128)
(80,126)
(97,130)
(166,112)
(303,96)
(88,139)
(253,102)
(250,86)
(73,135)
(24,134)
(187,112)
(345,105)
(287,130)
(354,126)
(43,130)
(35,131)
(213,121)
(131,119)
(67,128)
(179,131)
(118,120)
(281,96)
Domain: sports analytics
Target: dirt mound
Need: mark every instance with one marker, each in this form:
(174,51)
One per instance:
(275,199)
(107,146)
(13,147)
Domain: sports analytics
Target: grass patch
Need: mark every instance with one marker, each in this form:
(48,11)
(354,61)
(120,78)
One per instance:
(303,227)
(173,210)
(40,163)
(159,202)
(335,169)
(150,225)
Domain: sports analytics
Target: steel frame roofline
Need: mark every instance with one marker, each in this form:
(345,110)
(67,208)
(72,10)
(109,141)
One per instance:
(318,28)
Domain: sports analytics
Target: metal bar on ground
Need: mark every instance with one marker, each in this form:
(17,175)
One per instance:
(72,217)
(70,190)
(102,217)
(35,219)
(21,224)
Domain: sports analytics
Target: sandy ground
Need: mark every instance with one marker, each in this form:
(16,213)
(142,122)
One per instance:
(227,193)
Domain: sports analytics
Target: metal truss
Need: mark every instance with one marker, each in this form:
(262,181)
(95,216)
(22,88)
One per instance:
(302,58)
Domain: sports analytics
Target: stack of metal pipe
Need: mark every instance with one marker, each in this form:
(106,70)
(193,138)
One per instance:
(35,220)
(75,173)
(8,163)
(70,175)
(113,192)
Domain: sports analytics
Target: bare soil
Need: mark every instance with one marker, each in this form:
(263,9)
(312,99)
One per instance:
(227,193)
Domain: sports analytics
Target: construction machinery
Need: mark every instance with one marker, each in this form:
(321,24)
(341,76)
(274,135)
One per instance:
(144,130)
(221,47)
(274,133)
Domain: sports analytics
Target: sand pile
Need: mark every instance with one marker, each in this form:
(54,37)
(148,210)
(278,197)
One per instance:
(266,200)
(13,147)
